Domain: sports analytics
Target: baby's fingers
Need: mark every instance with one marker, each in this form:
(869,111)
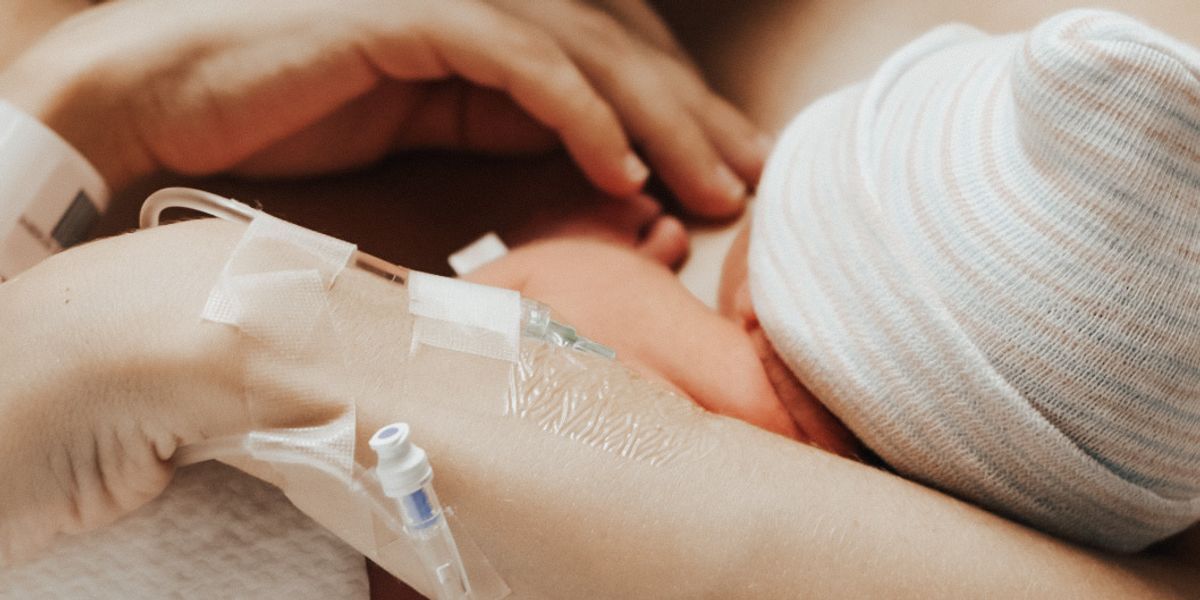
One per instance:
(491,49)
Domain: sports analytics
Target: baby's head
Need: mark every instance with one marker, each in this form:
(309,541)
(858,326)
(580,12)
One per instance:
(986,262)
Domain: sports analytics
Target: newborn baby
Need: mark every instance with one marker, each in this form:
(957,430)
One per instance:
(984,261)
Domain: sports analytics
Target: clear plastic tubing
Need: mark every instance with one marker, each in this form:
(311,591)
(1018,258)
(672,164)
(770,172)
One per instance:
(405,475)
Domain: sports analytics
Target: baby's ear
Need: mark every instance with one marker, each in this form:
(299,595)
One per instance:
(733,295)
(741,309)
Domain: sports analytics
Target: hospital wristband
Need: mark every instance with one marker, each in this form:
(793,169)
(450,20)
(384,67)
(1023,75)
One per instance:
(50,195)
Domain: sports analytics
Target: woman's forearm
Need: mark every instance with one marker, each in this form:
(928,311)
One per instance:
(757,516)
(119,321)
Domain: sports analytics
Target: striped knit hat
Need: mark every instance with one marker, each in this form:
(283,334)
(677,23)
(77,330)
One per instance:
(986,261)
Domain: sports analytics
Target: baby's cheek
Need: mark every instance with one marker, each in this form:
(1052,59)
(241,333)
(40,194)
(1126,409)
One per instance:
(730,381)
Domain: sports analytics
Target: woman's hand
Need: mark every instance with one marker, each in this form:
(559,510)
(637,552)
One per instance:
(702,147)
(107,370)
(291,87)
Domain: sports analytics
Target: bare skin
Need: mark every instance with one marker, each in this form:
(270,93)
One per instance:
(1125,573)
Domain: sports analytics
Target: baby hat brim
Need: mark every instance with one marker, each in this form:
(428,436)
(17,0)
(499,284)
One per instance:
(874,273)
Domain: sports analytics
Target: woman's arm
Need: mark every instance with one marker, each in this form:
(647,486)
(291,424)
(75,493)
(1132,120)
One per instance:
(760,517)
(743,513)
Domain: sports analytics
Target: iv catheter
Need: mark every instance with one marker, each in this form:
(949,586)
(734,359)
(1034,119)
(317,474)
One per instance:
(536,321)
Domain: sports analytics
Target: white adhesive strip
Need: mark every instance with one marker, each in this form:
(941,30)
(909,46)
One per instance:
(478,253)
(465,317)
(272,245)
(280,308)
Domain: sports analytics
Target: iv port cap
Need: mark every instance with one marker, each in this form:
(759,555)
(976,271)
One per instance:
(403,467)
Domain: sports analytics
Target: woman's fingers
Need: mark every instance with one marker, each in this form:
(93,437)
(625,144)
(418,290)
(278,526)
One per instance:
(641,19)
(739,142)
(492,49)
(676,144)
(699,146)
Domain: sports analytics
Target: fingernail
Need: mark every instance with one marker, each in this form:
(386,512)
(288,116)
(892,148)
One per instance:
(731,186)
(635,169)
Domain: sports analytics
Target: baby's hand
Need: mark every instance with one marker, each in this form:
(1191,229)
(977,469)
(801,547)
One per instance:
(636,306)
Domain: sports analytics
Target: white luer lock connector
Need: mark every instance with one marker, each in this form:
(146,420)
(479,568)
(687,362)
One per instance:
(405,475)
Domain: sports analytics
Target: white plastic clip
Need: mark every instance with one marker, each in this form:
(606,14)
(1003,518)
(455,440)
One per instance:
(478,253)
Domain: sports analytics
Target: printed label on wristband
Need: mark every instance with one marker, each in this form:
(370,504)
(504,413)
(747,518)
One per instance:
(75,224)
(44,229)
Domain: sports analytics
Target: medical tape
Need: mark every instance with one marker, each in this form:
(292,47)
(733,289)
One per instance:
(461,327)
(464,317)
(275,290)
(272,245)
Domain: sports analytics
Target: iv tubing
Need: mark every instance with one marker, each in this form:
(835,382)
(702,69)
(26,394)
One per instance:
(232,210)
